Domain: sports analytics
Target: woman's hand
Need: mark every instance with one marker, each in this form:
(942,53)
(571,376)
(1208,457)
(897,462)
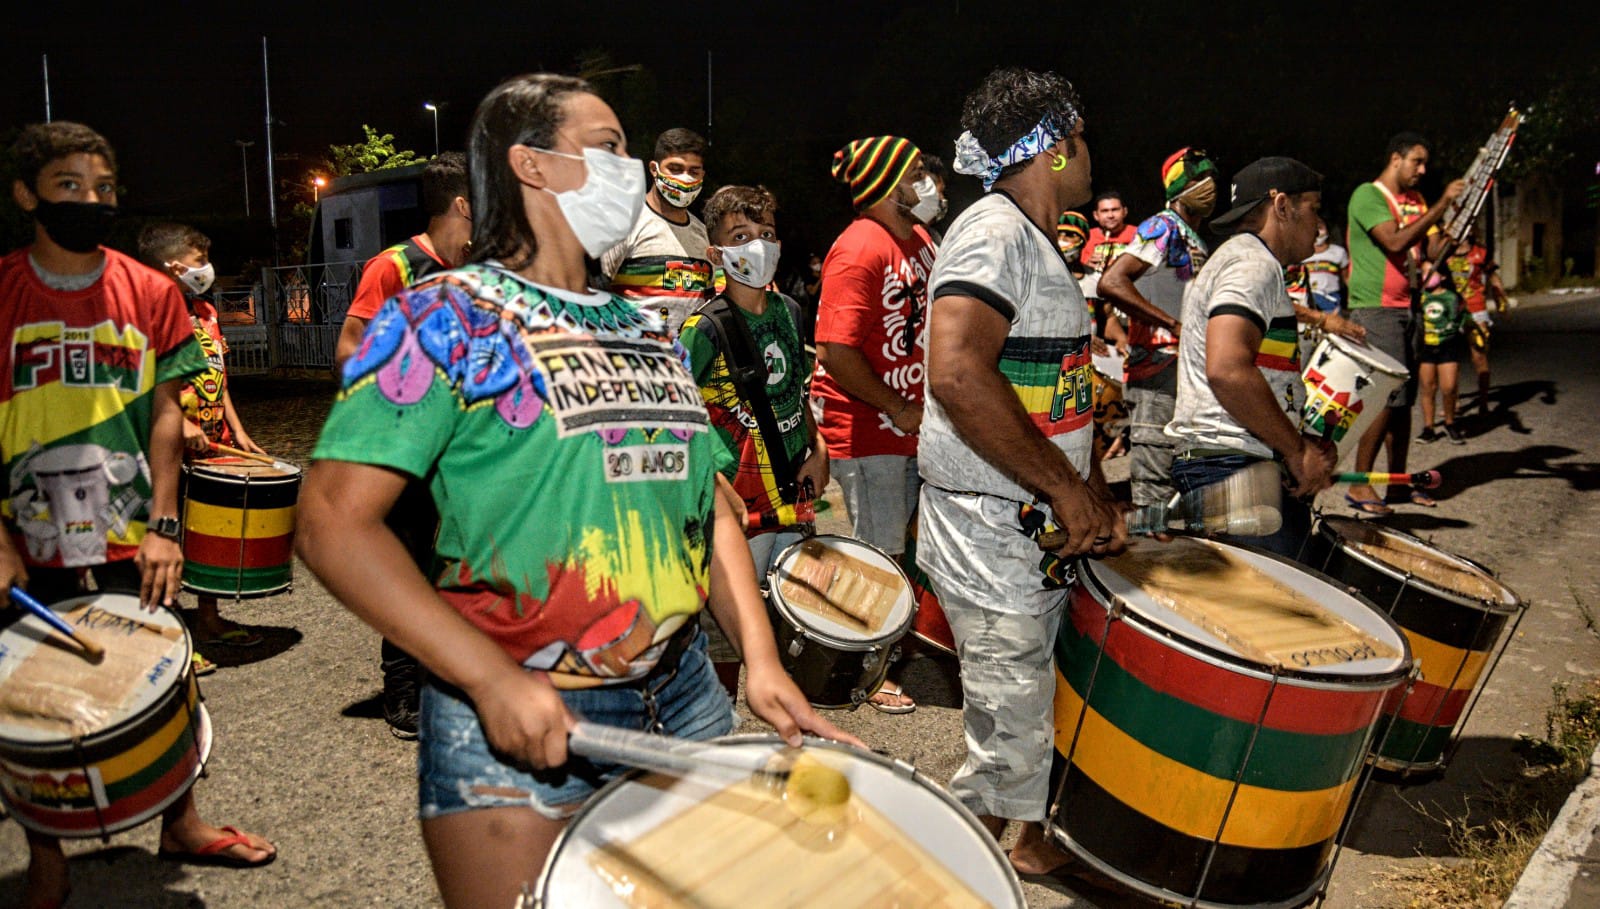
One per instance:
(524,717)
(774,698)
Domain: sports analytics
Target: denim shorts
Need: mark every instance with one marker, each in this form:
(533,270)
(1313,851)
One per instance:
(457,770)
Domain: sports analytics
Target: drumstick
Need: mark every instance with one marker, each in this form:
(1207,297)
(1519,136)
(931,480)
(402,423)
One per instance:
(809,787)
(1427,479)
(93,651)
(241,453)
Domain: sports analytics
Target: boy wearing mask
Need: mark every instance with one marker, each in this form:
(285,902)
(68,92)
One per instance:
(662,263)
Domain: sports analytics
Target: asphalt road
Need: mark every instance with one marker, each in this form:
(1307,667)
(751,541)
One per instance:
(303,756)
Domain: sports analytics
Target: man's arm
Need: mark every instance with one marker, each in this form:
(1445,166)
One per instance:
(1231,345)
(1394,239)
(161,559)
(964,343)
(1116,285)
(854,373)
(1330,322)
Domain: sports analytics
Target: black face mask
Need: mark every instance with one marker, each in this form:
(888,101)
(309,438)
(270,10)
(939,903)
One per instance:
(78,227)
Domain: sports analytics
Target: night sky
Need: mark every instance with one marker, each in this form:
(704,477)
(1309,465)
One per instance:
(172,86)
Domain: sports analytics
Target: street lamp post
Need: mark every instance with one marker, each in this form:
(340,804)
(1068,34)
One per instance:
(434,109)
(244,163)
(317,183)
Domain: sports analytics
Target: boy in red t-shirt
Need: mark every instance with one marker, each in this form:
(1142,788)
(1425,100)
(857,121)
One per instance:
(184,255)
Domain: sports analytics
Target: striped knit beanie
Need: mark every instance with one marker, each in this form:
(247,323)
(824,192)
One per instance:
(1183,169)
(873,167)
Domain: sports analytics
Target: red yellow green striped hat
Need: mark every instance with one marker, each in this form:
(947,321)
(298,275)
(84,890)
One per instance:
(873,167)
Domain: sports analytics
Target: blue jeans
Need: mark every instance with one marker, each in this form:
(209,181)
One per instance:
(1195,473)
(457,770)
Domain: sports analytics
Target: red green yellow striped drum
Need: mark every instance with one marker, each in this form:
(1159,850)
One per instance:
(238,527)
(1453,612)
(1210,746)
(88,749)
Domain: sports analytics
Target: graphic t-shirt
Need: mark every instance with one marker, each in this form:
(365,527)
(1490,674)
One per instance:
(392,271)
(1243,278)
(995,254)
(566,449)
(875,299)
(742,452)
(1442,313)
(1174,252)
(1324,272)
(1377,278)
(76,405)
(1469,272)
(1109,246)
(661,266)
(202,395)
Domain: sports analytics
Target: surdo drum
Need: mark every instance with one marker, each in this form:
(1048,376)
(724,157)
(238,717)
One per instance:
(238,527)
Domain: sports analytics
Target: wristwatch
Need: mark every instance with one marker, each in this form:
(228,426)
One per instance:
(166,526)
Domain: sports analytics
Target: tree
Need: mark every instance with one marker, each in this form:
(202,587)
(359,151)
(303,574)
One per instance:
(375,152)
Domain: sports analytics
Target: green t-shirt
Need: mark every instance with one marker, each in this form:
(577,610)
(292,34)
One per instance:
(741,452)
(1442,315)
(566,449)
(1376,277)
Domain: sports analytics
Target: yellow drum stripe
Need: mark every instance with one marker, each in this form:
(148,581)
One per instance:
(1440,661)
(224,522)
(1192,802)
(147,752)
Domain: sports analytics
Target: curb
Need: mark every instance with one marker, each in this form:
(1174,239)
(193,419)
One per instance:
(1547,881)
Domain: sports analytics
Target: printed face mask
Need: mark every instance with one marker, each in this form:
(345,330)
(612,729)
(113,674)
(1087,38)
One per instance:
(679,191)
(752,264)
(928,201)
(605,207)
(1201,199)
(197,280)
(78,227)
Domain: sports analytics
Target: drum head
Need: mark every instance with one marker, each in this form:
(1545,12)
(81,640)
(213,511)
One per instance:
(875,590)
(631,807)
(239,469)
(1438,572)
(1226,631)
(1362,353)
(50,693)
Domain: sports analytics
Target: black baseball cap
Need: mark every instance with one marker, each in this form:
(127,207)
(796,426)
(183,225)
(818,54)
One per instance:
(1259,179)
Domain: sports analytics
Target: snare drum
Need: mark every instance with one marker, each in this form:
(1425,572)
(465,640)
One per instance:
(1213,714)
(1453,612)
(238,527)
(839,607)
(1347,385)
(88,749)
(909,844)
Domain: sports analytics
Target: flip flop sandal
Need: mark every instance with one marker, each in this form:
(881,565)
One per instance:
(213,853)
(1369,506)
(894,691)
(199,665)
(236,637)
(1421,498)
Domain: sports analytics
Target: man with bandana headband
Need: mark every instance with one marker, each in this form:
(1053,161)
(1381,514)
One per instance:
(1006,443)
(94,350)
(663,262)
(1146,281)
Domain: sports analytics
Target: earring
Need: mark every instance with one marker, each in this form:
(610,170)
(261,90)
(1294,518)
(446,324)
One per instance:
(1059,163)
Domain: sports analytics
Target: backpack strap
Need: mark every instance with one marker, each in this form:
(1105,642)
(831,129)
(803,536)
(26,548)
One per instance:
(748,370)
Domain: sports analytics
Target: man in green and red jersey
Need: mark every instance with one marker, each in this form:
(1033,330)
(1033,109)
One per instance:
(443,245)
(94,349)
(662,264)
(1389,227)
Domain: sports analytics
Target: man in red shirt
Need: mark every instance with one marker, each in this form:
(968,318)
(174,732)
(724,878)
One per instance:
(1107,239)
(870,341)
(444,244)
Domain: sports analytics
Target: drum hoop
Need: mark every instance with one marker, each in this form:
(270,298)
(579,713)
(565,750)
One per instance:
(1516,605)
(1363,355)
(283,476)
(176,686)
(882,642)
(1299,678)
(900,768)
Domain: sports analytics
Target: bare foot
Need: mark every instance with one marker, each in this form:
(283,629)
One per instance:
(189,837)
(1034,853)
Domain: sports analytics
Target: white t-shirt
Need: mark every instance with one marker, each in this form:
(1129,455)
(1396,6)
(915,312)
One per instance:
(1242,278)
(1325,271)
(993,253)
(661,265)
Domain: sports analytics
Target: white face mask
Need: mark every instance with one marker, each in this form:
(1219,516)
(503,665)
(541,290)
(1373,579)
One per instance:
(929,205)
(605,207)
(198,280)
(752,264)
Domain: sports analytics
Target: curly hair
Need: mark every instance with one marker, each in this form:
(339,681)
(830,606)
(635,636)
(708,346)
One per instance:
(164,241)
(444,178)
(523,110)
(754,202)
(41,143)
(1011,101)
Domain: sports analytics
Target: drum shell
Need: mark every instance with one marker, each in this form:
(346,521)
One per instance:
(1168,730)
(133,769)
(1451,635)
(238,533)
(1347,385)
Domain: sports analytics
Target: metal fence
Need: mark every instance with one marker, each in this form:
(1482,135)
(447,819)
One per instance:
(290,319)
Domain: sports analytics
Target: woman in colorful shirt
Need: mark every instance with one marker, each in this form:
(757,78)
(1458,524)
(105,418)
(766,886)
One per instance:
(570,457)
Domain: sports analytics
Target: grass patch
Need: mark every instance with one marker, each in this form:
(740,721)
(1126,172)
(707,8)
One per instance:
(1495,833)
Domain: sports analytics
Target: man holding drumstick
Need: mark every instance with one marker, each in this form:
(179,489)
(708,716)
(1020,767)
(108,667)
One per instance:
(1006,441)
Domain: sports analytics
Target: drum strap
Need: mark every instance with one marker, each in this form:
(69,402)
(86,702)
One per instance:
(748,370)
